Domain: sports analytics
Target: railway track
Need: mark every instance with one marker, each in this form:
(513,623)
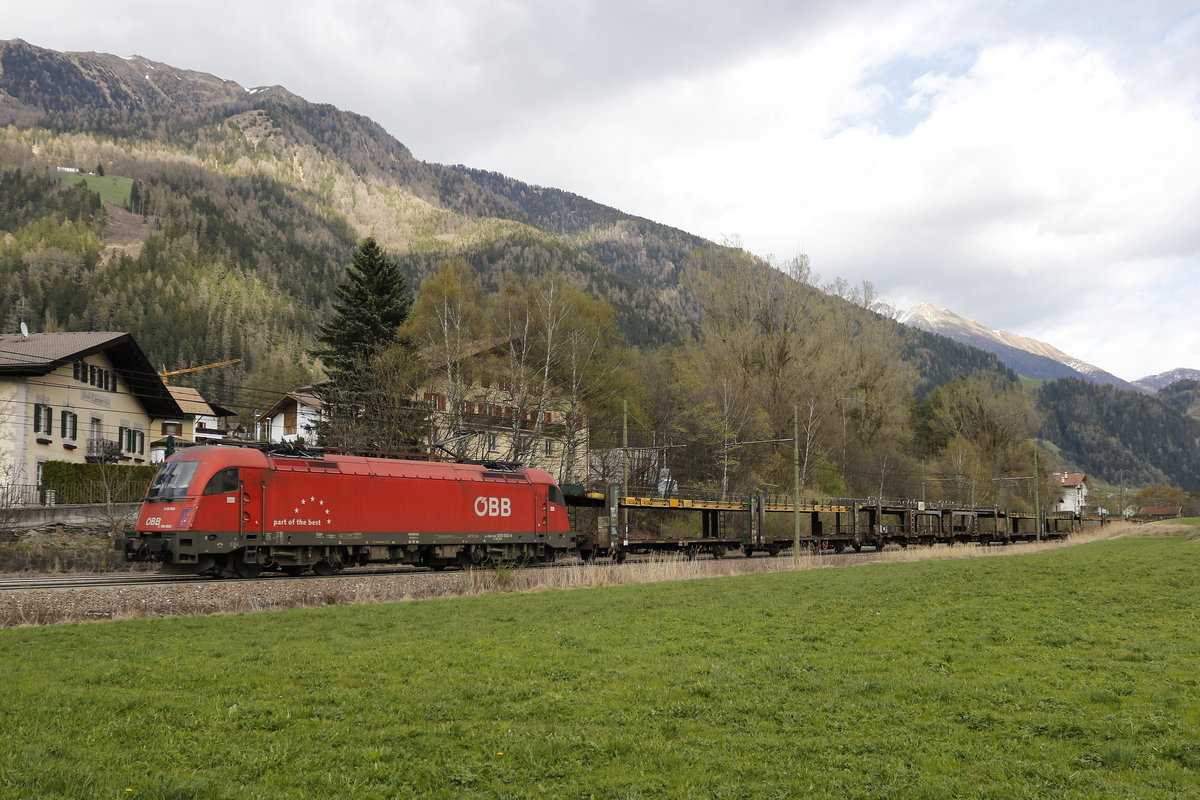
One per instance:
(36,582)
(123,580)
(46,582)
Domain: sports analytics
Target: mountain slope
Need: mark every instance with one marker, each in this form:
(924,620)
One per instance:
(1154,383)
(1029,357)
(261,184)
(246,206)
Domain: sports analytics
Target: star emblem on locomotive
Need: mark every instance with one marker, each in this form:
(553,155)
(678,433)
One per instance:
(312,501)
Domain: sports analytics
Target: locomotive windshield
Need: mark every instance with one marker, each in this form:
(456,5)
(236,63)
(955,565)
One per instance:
(172,480)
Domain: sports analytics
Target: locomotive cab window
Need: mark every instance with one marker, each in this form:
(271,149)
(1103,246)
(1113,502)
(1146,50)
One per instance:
(172,480)
(556,496)
(224,481)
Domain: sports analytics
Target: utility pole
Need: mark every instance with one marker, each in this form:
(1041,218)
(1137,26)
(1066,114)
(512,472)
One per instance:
(1037,496)
(796,479)
(625,467)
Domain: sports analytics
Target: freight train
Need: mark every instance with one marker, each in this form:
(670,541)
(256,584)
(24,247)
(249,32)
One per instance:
(239,511)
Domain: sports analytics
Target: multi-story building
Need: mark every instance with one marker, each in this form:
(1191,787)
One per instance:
(1075,487)
(76,397)
(293,416)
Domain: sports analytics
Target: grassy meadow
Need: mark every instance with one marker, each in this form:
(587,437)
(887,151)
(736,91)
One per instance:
(113,188)
(1067,674)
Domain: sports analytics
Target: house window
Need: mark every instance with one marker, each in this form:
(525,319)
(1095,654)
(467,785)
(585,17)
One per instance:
(69,425)
(99,377)
(172,428)
(493,444)
(131,440)
(43,419)
(549,447)
(134,441)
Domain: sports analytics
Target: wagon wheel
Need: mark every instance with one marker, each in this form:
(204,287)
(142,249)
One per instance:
(857,547)
(324,568)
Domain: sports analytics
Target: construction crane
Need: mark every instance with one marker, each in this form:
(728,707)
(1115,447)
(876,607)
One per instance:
(166,374)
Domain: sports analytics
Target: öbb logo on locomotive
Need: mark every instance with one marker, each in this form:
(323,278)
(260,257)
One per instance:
(493,507)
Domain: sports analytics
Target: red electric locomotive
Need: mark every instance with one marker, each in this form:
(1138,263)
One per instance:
(238,511)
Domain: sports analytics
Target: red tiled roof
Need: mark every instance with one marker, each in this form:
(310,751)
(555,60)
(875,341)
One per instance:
(1161,511)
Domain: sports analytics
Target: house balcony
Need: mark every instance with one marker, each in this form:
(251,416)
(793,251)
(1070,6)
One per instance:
(103,451)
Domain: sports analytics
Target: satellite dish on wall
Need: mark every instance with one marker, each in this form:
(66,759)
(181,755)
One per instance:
(24,330)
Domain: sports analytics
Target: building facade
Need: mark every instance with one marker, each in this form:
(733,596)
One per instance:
(201,422)
(1075,487)
(293,417)
(76,397)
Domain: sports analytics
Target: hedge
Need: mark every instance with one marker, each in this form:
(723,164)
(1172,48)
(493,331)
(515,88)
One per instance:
(96,483)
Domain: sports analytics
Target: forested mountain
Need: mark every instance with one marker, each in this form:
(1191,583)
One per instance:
(250,202)
(1126,437)
(242,208)
(1183,396)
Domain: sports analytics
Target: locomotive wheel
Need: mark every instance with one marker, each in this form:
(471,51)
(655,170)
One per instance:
(324,569)
(243,569)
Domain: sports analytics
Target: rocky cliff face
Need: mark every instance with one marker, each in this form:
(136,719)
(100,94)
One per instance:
(35,82)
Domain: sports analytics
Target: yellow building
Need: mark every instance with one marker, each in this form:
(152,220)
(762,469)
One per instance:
(202,423)
(76,397)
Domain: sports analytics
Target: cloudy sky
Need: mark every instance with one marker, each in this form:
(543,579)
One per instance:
(1034,166)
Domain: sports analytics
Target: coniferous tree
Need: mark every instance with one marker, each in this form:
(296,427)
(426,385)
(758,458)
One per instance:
(372,303)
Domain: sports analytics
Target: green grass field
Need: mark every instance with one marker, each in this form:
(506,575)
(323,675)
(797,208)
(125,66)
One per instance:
(110,187)
(1069,674)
